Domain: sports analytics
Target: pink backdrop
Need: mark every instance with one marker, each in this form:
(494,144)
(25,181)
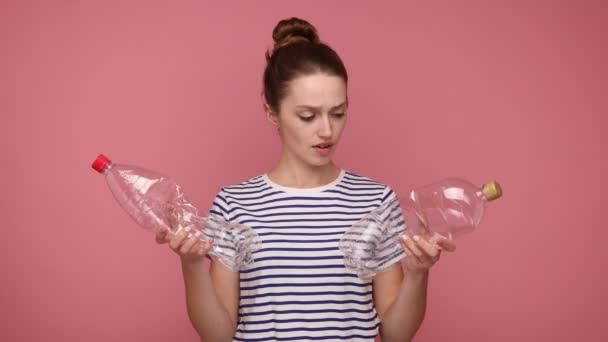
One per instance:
(512,91)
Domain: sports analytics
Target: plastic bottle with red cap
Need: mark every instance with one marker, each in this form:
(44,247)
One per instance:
(157,203)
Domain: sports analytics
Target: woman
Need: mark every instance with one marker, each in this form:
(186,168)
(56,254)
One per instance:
(298,289)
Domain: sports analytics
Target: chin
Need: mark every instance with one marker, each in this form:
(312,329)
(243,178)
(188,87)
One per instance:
(315,160)
(322,162)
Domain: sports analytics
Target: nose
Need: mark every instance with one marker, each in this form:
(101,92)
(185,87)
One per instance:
(325,130)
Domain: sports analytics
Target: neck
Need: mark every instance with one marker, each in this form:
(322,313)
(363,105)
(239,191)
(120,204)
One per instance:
(292,174)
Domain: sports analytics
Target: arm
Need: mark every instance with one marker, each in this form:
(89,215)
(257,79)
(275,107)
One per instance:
(212,297)
(400,302)
(212,294)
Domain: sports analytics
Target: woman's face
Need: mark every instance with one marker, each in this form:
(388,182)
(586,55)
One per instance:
(313,112)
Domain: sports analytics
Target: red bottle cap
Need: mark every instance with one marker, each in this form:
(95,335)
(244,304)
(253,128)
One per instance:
(101,163)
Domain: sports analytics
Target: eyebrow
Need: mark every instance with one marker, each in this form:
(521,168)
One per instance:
(318,108)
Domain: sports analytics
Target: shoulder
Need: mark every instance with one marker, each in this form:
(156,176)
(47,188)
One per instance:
(358,178)
(229,193)
(355,179)
(246,186)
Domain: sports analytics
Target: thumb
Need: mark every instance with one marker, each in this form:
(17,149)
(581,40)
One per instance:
(446,245)
(161,237)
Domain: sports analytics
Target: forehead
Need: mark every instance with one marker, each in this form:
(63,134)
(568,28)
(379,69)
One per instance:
(317,90)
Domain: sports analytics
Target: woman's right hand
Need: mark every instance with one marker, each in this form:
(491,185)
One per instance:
(185,243)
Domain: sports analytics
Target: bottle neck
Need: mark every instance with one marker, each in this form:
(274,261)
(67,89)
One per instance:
(107,169)
(481,196)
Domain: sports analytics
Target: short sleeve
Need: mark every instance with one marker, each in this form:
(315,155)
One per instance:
(389,250)
(220,205)
(233,243)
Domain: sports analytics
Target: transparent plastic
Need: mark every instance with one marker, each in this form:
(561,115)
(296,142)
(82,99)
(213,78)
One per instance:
(445,209)
(157,203)
(371,244)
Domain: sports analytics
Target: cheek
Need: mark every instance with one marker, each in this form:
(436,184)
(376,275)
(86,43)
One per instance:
(296,136)
(339,127)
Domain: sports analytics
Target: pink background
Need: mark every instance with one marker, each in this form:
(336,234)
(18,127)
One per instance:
(512,91)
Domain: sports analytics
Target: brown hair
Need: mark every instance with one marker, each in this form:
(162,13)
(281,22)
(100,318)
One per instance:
(297,52)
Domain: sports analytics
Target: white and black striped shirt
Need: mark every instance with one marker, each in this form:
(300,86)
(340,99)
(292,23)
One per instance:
(297,288)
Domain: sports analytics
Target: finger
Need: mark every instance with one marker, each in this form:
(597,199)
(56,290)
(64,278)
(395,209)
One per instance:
(408,252)
(446,244)
(412,247)
(160,237)
(205,248)
(169,236)
(179,237)
(190,242)
(426,247)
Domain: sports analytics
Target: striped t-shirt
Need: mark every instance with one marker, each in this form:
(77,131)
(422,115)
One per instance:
(297,288)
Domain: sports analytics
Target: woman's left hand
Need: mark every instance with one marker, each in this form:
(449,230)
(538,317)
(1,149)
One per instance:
(421,254)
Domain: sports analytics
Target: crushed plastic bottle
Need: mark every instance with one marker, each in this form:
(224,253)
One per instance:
(157,203)
(367,246)
(442,210)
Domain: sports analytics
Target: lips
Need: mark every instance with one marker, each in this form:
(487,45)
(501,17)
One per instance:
(324,145)
(323,151)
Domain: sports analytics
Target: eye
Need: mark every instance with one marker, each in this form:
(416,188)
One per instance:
(307,118)
(339,115)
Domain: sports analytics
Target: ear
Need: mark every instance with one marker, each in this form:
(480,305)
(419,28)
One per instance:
(271,115)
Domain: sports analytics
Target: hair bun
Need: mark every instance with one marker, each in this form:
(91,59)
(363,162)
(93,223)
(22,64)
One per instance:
(293,30)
